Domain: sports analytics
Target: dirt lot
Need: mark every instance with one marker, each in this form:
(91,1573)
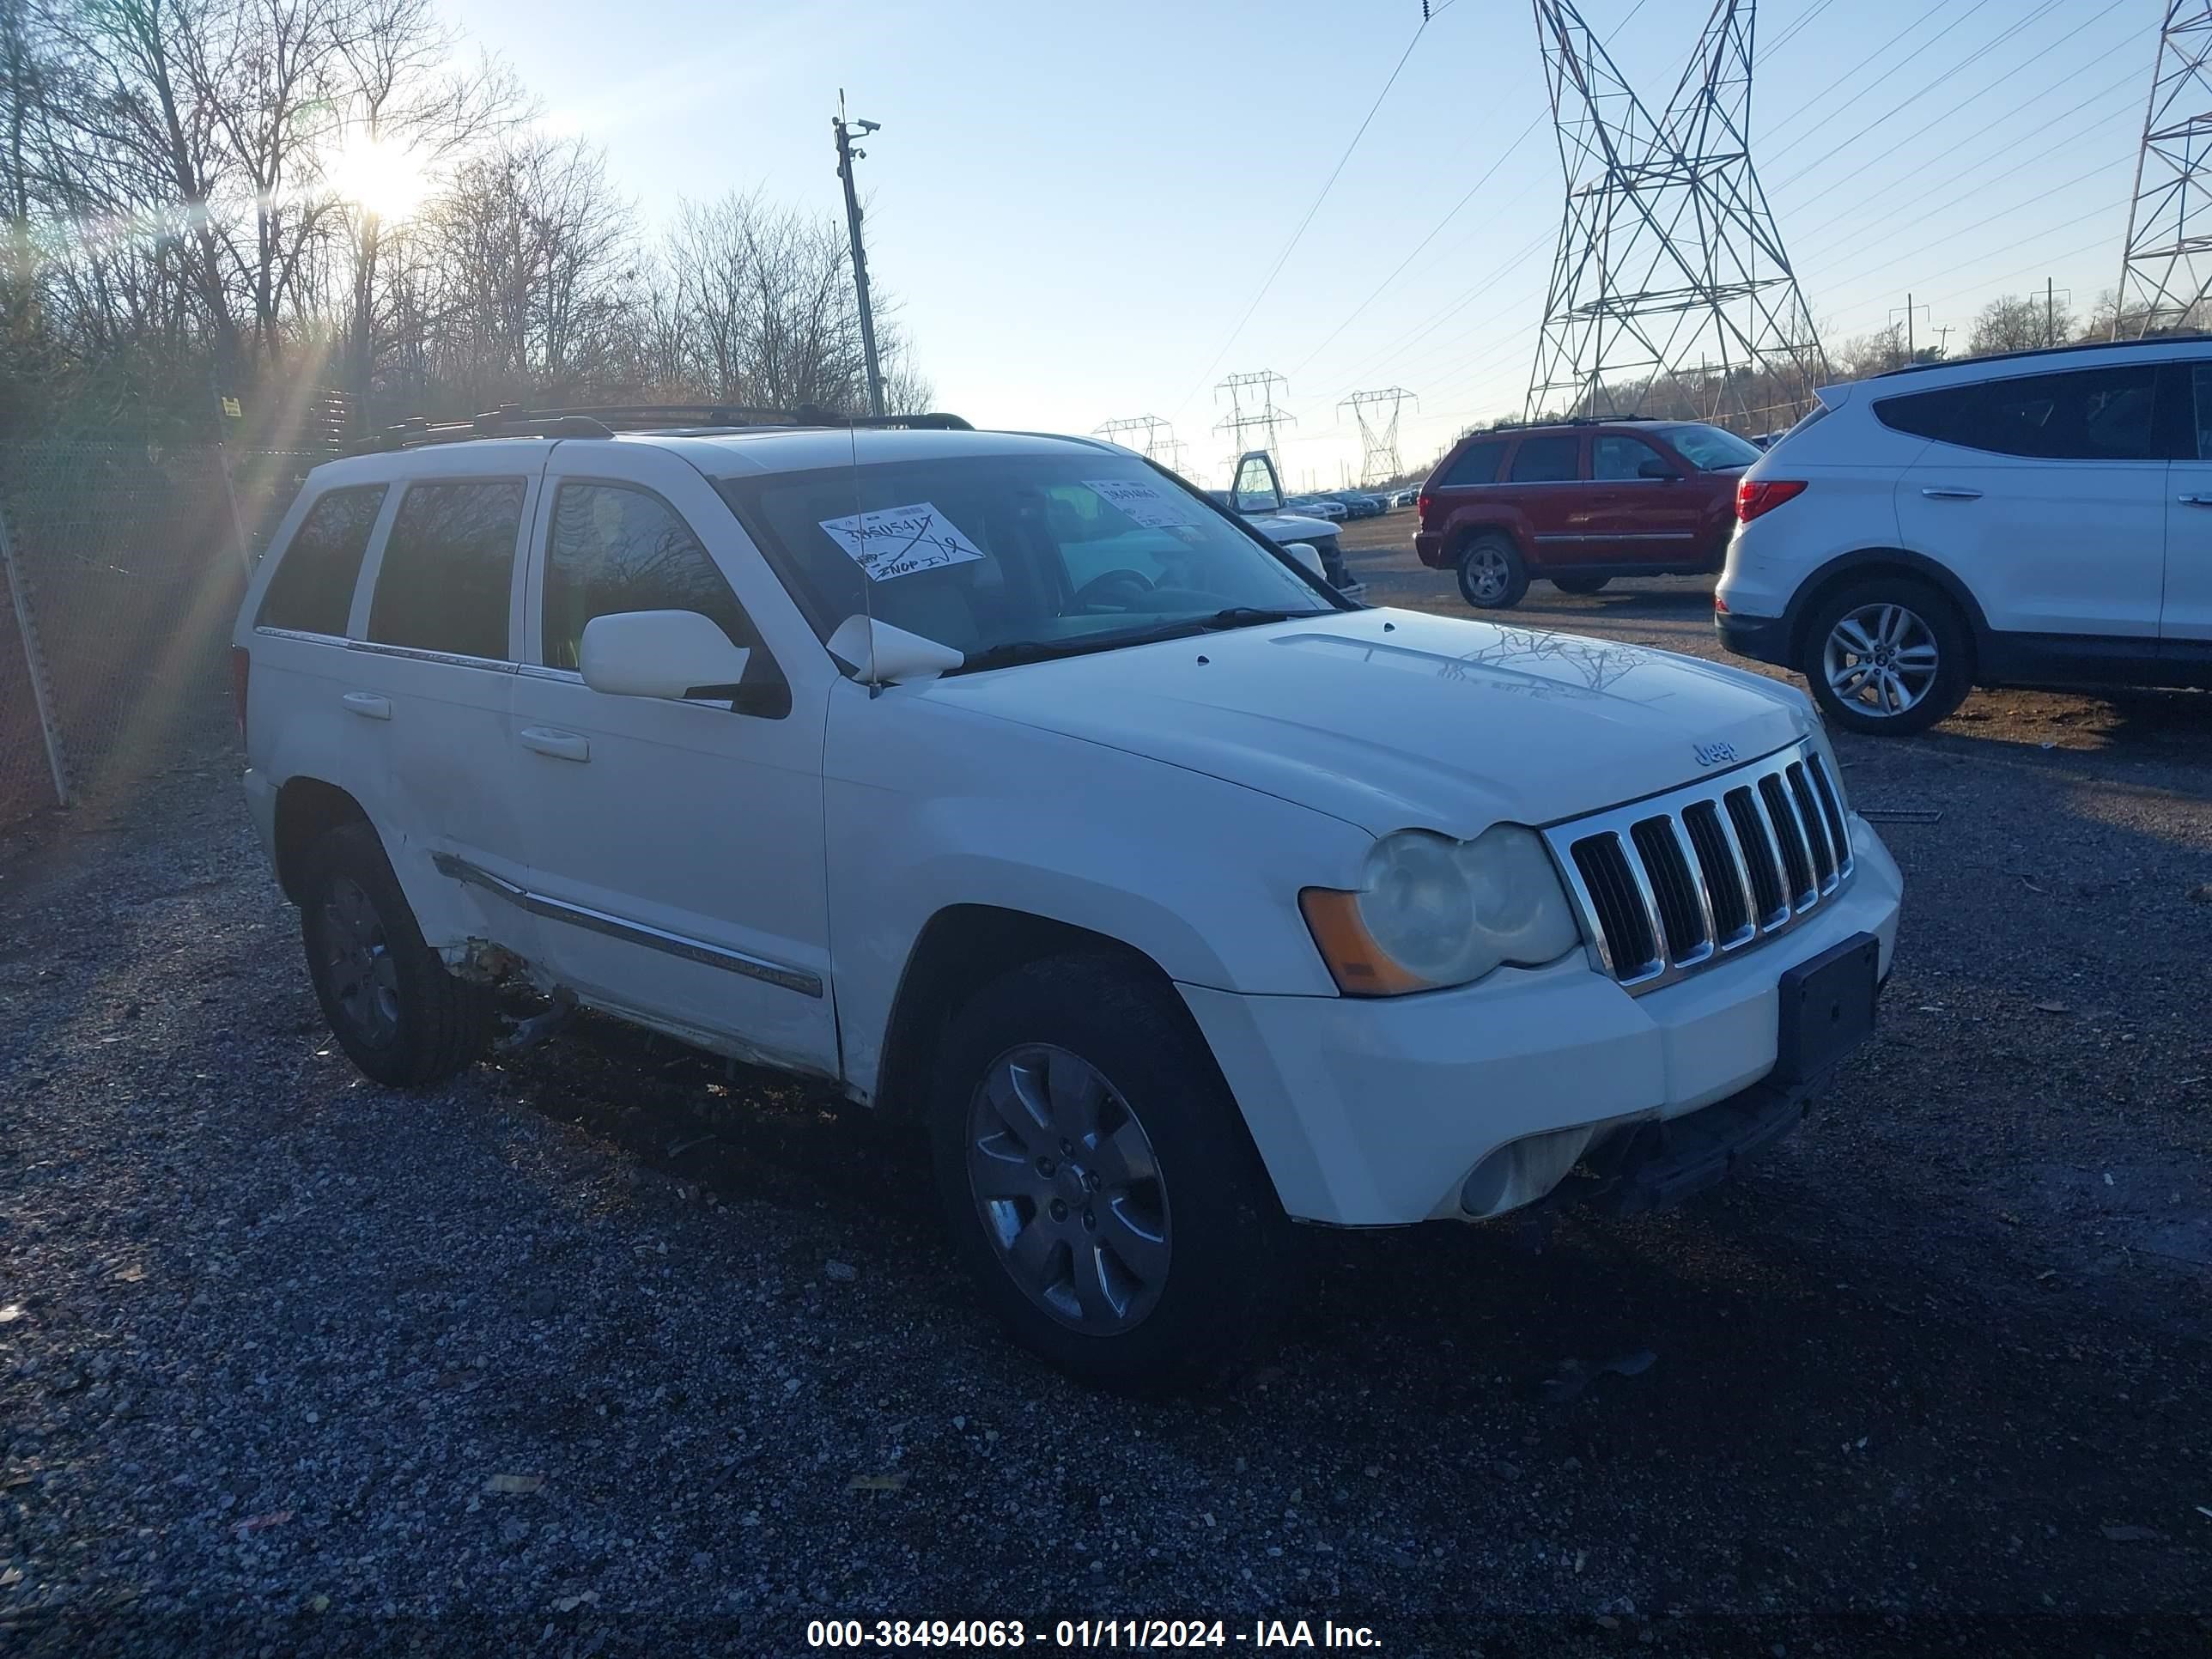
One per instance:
(600,1351)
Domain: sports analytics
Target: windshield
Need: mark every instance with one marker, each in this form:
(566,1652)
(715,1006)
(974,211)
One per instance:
(1709,447)
(1014,555)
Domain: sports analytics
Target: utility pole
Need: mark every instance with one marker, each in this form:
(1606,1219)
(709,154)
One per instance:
(846,155)
(1376,412)
(1912,349)
(1246,390)
(2050,311)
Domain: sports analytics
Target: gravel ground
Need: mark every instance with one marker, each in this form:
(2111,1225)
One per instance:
(602,1349)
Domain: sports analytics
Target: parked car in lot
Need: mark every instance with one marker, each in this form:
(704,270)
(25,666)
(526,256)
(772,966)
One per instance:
(1579,503)
(1257,496)
(1319,507)
(2036,519)
(1359,503)
(1003,785)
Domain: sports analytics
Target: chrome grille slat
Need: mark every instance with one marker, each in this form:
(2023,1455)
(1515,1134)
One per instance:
(1668,885)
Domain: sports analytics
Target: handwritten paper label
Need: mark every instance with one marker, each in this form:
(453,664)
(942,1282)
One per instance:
(1148,503)
(897,541)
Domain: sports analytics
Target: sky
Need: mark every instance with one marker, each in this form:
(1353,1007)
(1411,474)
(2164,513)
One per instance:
(1076,208)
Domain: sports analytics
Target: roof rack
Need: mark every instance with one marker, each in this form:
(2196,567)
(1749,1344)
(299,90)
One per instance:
(1574,419)
(604,421)
(2177,338)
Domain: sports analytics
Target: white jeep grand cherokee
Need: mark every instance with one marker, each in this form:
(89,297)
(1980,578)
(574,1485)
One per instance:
(1003,782)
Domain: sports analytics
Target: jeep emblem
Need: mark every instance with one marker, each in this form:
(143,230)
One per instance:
(1712,754)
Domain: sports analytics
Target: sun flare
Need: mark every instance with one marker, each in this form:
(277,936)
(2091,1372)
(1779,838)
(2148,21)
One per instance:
(380,176)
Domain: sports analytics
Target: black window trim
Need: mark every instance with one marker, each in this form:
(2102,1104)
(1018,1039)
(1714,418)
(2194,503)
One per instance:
(380,545)
(545,671)
(373,549)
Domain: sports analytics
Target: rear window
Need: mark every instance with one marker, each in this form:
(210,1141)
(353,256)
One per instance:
(448,568)
(313,589)
(1476,465)
(1552,460)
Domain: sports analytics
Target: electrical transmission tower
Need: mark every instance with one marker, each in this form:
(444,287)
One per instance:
(1378,430)
(1670,286)
(2168,262)
(1148,435)
(1253,408)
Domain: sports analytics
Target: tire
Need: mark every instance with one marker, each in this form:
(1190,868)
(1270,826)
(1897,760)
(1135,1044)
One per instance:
(1189,1266)
(1580,584)
(1924,675)
(1491,575)
(400,1017)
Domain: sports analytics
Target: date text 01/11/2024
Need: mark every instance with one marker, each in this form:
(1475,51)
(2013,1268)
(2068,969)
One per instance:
(1086,1634)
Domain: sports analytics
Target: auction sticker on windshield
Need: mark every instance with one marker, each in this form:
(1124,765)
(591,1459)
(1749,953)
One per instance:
(1150,506)
(897,541)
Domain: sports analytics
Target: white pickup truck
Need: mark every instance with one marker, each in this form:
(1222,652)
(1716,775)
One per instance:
(1256,496)
(1002,783)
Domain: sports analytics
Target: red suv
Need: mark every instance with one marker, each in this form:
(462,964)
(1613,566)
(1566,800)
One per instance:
(1579,502)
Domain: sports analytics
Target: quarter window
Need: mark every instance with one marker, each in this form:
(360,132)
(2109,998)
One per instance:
(448,566)
(1477,464)
(1546,460)
(616,549)
(1614,458)
(313,587)
(2085,414)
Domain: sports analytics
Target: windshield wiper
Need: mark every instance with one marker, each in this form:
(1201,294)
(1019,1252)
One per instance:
(1008,653)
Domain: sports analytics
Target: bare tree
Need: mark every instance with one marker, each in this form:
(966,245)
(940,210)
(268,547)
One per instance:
(2019,323)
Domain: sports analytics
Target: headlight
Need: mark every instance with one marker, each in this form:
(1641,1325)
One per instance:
(1431,912)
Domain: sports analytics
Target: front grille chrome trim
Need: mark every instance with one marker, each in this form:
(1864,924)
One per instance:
(1804,833)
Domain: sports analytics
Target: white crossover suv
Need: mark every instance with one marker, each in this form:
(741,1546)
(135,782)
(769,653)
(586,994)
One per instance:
(1004,783)
(2037,518)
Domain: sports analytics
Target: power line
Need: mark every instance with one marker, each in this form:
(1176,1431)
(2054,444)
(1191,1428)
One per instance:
(1427,17)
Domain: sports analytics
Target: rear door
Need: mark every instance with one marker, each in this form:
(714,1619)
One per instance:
(428,678)
(1643,508)
(2187,615)
(2046,494)
(1547,484)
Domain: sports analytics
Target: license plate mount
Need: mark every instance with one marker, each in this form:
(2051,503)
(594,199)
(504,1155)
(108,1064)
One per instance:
(1827,1008)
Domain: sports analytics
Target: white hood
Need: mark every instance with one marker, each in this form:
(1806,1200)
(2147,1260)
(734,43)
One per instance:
(1396,719)
(1280,527)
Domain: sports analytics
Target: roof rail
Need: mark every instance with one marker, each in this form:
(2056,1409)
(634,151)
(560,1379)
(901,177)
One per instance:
(1571,420)
(2175,338)
(604,421)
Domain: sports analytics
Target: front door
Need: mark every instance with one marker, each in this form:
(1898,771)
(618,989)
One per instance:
(2187,615)
(2047,495)
(1643,509)
(677,867)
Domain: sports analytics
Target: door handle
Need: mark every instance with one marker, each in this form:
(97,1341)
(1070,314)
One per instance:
(561,745)
(368,705)
(2195,501)
(1950,493)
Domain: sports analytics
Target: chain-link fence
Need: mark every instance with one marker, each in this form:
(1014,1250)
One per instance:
(122,571)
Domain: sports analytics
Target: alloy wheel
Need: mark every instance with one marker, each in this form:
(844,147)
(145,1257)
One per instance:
(1068,1189)
(357,960)
(1488,574)
(1882,659)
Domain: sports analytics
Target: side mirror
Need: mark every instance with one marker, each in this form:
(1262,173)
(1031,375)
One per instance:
(1306,554)
(672,654)
(1656,468)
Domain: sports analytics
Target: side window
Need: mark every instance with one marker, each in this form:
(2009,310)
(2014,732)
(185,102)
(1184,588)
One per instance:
(617,548)
(313,589)
(1257,489)
(447,568)
(1477,464)
(2085,414)
(1551,460)
(1614,458)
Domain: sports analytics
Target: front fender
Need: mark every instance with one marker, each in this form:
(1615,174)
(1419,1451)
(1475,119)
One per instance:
(928,806)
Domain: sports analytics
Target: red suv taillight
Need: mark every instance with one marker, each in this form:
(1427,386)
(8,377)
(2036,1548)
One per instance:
(1421,508)
(241,668)
(1756,495)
